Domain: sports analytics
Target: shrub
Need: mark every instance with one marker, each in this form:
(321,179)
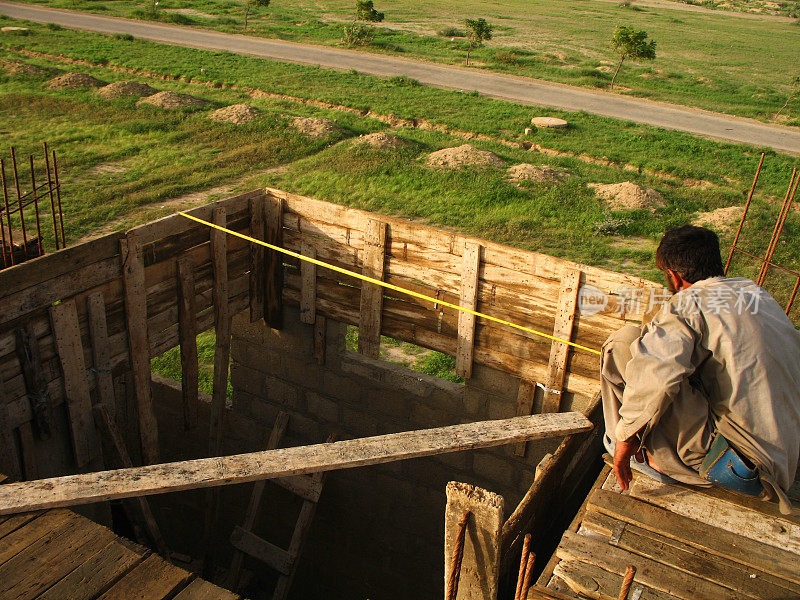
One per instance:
(180,19)
(452,32)
(356,34)
(507,57)
(54,27)
(438,365)
(125,37)
(611,226)
(365,11)
(404,81)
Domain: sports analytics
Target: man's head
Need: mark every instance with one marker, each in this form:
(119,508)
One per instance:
(689,254)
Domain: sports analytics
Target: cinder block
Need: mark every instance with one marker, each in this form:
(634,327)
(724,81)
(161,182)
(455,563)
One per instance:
(476,403)
(304,372)
(342,388)
(358,422)
(501,408)
(322,408)
(414,383)
(385,403)
(493,381)
(358,366)
(502,474)
(247,379)
(281,392)
(423,417)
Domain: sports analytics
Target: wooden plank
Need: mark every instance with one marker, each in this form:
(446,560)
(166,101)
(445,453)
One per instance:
(30,360)
(649,572)
(15,522)
(222,321)
(320,338)
(30,466)
(152,579)
(469,299)
(108,425)
(257,254)
(207,472)
(101,352)
(369,329)
(9,455)
(22,537)
(273,295)
(720,542)
(199,589)
(308,291)
(187,334)
(565,319)
(262,550)
(138,344)
(525,396)
(591,581)
(64,318)
(305,486)
(89,579)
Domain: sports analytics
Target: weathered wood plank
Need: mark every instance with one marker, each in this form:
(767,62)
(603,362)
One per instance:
(22,537)
(262,550)
(9,456)
(101,351)
(138,344)
(559,351)
(369,329)
(525,396)
(593,582)
(207,472)
(308,290)
(222,320)
(152,579)
(469,299)
(67,334)
(33,375)
(257,254)
(273,294)
(320,338)
(187,335)
(200,589)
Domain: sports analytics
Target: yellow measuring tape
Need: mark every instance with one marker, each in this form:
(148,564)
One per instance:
(386,285)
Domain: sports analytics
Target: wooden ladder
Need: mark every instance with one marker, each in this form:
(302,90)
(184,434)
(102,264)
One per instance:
(244,541)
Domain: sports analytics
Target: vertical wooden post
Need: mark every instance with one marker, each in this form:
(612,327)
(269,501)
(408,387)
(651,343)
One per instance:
(273,271)
(101,356)
(559,351)
(187,333)
(222,320)
(469,299)
(480,565)
(64,318)
(30,360)
(525,396)
(138,342)
(308,289)
(257,254)
(320,338)
(369,329)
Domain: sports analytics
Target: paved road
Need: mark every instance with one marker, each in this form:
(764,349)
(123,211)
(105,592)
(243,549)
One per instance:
(517,89)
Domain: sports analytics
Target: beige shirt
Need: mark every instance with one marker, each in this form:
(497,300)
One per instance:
(732,342)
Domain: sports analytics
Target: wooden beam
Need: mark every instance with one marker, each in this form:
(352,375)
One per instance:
(308,291)
(262,550)
(67,334)
(320,338)
(9,457)
(135,294)
(257,259)
(369,329)
(565,319)
(273,292)
(72,490)
(30,360)
(469,299)
(525,395)
(187,334)
(101,352)
(222,322)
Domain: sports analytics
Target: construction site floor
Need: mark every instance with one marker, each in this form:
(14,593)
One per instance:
(685,543)
(59,555)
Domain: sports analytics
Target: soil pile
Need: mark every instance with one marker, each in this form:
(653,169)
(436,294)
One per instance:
(382,141)
(121,89)
(721,219)
(628,196)
(15,67)
(538,173)
(235,113)
(74,81)
(173,100)
(464,156)
(317,127)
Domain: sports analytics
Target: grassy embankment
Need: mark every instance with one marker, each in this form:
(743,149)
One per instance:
(155,154)
(718,61)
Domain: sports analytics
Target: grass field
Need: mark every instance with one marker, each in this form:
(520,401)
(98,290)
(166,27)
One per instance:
(718,61)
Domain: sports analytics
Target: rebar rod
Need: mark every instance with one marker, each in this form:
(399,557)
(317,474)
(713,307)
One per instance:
(779,227)
(52,196)
(58,195)
(744,214)
(3,241)
(458,556)
(523,561)
(19,198)
(526,583)
(792,297)
(8,210)
(36,208)
(630,573)
(771,264)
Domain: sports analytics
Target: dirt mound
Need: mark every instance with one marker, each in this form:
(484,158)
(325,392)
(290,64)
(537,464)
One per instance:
(235,113)
(538,173)
(172,100)
(464,156)
(382,141)
(720,219)
(121,89)
(317,127)
(74,81)
(15,67)
(628,196)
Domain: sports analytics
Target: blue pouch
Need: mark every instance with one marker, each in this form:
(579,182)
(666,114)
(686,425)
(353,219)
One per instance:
(724,467)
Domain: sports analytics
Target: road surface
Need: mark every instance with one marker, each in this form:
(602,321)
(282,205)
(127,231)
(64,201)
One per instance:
(516,89)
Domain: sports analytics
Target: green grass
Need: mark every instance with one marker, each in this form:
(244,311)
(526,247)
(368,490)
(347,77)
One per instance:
(169,364)
(716,61)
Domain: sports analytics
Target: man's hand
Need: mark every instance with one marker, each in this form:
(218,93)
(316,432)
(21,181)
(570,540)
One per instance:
(622,460)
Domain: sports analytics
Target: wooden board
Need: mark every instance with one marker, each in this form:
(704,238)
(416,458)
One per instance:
(369,329)
(201,473)
(559,351)
(593,582)
(222,320)
(525,396)
(152,579)
(101,351)
(273,276)
(257,254)
(308,291)
(200,589)
(468,299)
(320,338)
(187,332)
(262,550)
(16,541)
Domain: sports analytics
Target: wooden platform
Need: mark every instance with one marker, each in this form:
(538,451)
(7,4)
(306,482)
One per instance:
(60,555)
(686,543)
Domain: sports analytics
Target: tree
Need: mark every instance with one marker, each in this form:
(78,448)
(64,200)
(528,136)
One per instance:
(249,5)
(629,42)
(794,91)
(365,11)
(479,30)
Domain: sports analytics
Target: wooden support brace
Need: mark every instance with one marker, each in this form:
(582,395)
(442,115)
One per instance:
(469,299)
(72,490)
(525,395)
(369,329)
(320,338)
(66,331)
(138,342)
(559,351)
(101,354)
(273,290)
(187,334)
(257,254)
(308,289)
(480,565)
(222,321)
(266,552)
(30,360)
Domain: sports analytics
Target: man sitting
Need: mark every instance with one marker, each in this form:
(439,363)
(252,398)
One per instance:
(709,391)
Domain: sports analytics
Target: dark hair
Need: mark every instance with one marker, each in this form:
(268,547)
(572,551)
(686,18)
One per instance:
(690,251)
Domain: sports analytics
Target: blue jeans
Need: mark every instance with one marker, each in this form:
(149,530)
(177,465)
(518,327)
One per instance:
(724,467)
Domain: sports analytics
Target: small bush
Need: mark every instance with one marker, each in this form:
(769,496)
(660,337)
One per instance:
(356,34)
(452,32)
(180,19)
(125,37)
(438,365)
(404,81)
(611,226)
(365,11)
(507,57)
(225,21)
(54,27)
